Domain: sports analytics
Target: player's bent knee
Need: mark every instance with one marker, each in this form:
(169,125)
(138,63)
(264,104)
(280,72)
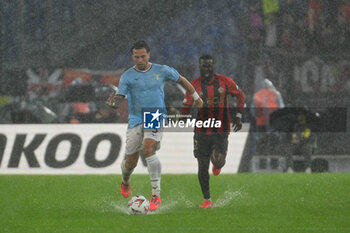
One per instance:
(149,147)
(148,152)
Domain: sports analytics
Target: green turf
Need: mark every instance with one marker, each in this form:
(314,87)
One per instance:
(242,203)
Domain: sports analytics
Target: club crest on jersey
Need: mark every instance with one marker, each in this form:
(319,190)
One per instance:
(221,90)
(157,76)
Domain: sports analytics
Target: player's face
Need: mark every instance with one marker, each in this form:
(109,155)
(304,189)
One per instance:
(206,68)
(140,57)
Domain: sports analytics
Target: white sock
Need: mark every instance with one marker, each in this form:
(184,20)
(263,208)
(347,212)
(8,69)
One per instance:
(125,173)
(154,170)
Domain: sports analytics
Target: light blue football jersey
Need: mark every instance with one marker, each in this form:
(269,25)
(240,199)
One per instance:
(145,90)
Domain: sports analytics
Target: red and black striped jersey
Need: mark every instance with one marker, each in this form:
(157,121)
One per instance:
(214,94)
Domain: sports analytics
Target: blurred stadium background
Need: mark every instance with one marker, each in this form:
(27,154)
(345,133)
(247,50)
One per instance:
(52,50)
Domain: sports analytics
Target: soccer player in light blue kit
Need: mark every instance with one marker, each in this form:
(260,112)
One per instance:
(143,84)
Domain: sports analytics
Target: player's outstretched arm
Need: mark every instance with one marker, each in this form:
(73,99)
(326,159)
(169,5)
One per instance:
(198,102)
(114,101)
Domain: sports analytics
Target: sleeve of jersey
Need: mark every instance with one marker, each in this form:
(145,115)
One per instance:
(171,74)
(123,87)
(236,91)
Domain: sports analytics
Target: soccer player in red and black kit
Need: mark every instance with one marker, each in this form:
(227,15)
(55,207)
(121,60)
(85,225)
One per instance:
(210,144)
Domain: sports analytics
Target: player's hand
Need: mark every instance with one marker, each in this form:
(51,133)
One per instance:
(236,124)
(199,103)
(111,101)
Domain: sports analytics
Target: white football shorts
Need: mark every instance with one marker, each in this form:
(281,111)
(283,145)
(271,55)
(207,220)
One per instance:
(136,135)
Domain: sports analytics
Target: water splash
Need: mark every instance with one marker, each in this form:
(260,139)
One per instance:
(168,206)
(227,197)
(121,208)
(109,204)
(187,202)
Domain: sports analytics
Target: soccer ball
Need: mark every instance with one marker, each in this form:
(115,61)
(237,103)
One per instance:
(138,205)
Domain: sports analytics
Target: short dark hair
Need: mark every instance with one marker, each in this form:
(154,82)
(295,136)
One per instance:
(206,57)
(141,44)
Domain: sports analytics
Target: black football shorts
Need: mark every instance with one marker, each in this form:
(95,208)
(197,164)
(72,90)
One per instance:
(204,144)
